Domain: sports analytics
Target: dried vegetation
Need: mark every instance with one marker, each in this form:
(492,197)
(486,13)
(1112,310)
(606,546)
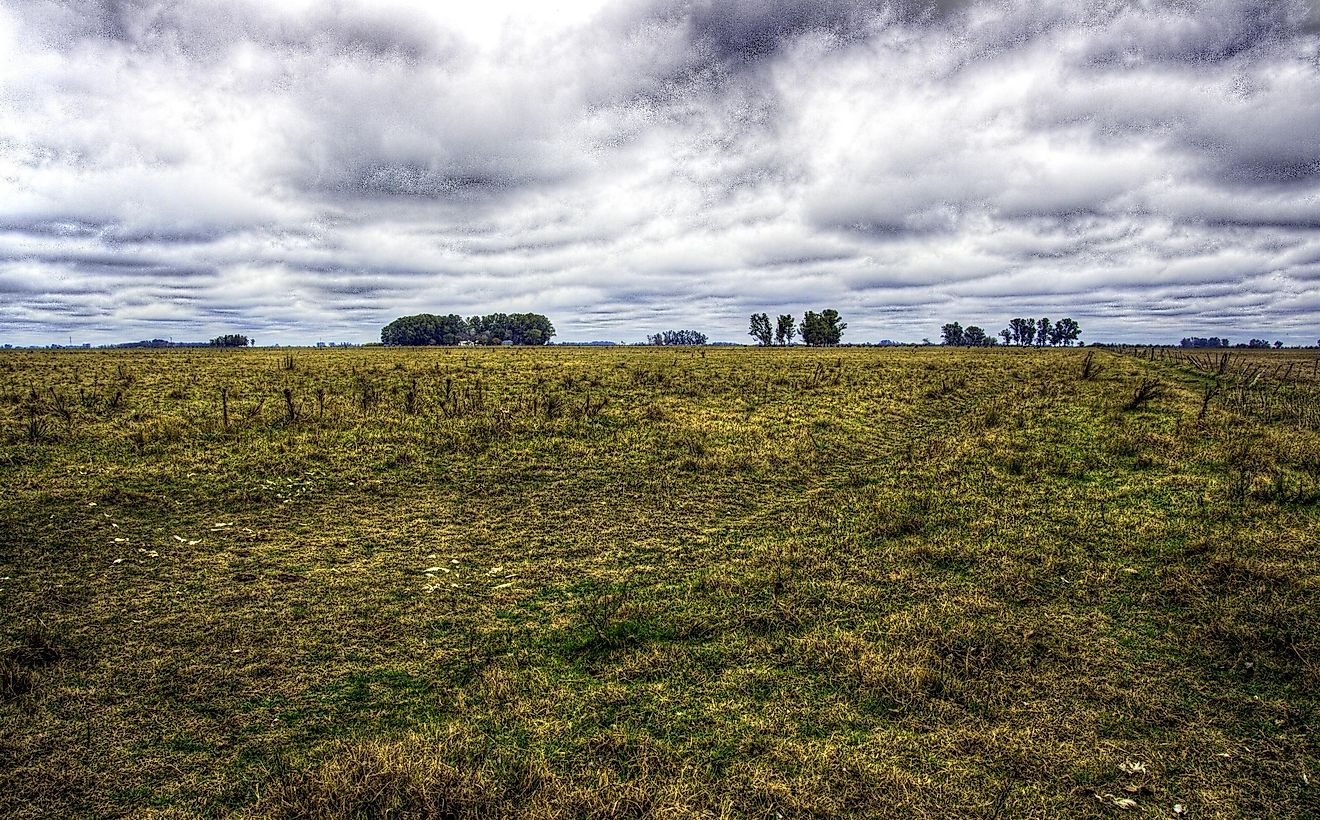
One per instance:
(608,583)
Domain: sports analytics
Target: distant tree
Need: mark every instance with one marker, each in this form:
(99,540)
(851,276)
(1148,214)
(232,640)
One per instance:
(1024,330)
(497,328)
(231,340)
(834,326)
(677,337)
(952,334)
(974,336)
(760,329)
(822,328)
(1065,332)
(1043,328)
(1056,333)
(1006,334)
(530,329)
(785,329)
(424,329)
(811,329)
(1201,341)
(1258,344)
(1278,345)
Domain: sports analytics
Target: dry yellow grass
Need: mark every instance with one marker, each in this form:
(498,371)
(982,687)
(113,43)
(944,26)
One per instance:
(566,583)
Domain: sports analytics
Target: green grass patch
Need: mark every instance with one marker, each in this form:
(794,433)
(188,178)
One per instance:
(645,582)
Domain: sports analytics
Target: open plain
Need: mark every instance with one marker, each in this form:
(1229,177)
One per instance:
(657,582)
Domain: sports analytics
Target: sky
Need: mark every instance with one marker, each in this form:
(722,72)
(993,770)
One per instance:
(306,171)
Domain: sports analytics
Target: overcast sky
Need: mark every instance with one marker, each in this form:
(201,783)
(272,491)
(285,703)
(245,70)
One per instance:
(307,171)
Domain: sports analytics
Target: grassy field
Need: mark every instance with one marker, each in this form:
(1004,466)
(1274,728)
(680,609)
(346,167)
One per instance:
(656,582)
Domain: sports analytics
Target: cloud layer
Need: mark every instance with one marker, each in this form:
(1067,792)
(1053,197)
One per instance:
(191,168)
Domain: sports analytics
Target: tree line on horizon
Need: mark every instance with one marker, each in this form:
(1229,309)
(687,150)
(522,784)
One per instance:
(230,340)
(816,329)
(424,329)
(1215,341)
(677,337)
(1020,331)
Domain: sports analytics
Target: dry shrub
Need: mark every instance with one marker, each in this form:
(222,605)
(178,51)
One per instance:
(461,774)
(377,779)
(15,679)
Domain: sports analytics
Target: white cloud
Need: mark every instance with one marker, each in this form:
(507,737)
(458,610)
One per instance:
(627,166)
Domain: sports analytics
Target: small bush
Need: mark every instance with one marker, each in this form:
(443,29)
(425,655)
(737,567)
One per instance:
(1146,392)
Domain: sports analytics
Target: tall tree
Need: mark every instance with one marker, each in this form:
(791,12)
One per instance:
(760,329)
(974,336)
(832,326)
(1024,330)
(822,328)
(1065,332)
(785,329)
(1006,334)
(1043,328)
(952,333)
(810,329)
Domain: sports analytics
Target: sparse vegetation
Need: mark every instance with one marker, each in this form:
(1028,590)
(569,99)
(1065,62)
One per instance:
(577,582)
(1145,392)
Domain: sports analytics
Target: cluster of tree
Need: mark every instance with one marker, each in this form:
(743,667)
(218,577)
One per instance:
(1019,332)
(1039,332)
(497,328)
(822,328)
(1022,331)
(956,335)
(231,340)
(785,329)
(1215,341)
(154,343)
(676,337)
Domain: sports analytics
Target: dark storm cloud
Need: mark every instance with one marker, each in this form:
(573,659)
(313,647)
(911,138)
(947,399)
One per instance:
(317,172)
(204,31)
